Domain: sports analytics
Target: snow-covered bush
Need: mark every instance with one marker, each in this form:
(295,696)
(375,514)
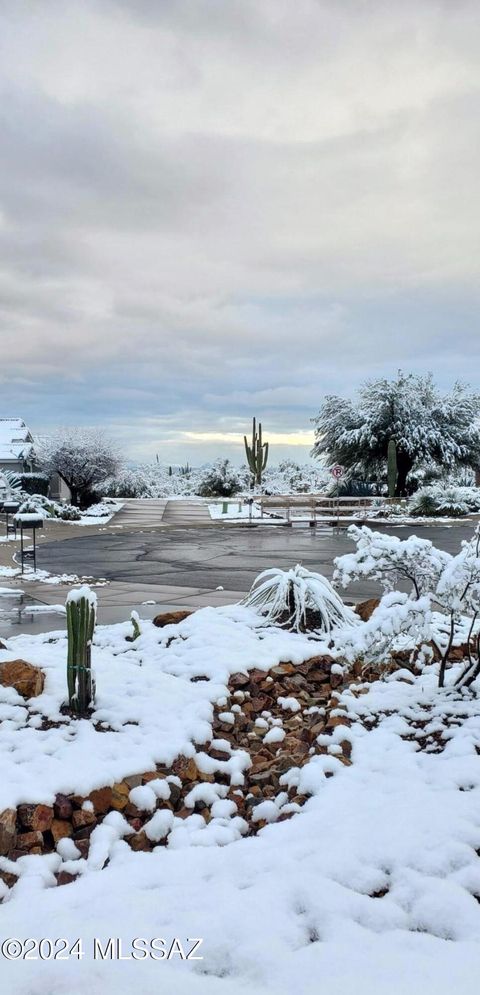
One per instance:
(220,480)
(68,513)
(299,599)
(449,584)
(100,510)
(441,500)
(388,559)
(396,616)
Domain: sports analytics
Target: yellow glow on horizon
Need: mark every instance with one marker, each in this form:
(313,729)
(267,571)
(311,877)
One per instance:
(300,438)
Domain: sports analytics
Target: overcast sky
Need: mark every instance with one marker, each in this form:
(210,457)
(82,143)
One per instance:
(211,209)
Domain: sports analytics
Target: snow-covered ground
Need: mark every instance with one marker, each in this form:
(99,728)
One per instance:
(371,887)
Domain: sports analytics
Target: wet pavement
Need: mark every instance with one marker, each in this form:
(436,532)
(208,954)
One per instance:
(153,570)
(229,556)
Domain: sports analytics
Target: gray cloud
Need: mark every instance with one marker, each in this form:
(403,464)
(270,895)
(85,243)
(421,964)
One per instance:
(210,207)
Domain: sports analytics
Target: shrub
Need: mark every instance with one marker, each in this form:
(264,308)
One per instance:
(298,599)
(220,481)
(442,500)
(68,513)
(35,483)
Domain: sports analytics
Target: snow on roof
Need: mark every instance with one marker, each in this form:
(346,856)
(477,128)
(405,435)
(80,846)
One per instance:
(16,441)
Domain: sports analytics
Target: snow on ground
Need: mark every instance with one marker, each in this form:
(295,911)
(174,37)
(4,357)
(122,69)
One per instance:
(371,887)
(291,910)
(145,700)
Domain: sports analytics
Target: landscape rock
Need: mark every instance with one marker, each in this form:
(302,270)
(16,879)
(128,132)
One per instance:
(366,608)
(27,680)
(171,618)
(8,819)
(38,817)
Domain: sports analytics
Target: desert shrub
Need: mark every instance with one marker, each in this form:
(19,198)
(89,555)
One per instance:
(445,500)
(298,599)
(219,481)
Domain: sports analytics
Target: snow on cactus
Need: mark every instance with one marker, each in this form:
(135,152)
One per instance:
(389,559)
(299,599)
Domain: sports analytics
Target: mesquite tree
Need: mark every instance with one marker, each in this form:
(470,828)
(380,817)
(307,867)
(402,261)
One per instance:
(427,427)
(82,457)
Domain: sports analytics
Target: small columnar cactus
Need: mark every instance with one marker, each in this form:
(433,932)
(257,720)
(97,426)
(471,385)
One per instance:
(81,606)
(257,453)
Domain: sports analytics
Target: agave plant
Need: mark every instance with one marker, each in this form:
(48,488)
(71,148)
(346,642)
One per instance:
(298,599)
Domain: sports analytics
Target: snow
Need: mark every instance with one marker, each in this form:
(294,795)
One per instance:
(149,709)
(298,895)
(280,912)
(274,735)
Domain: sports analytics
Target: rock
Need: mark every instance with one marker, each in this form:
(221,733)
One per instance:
(8,879)
(366,608)
(139,841)
(82,818)
(60,828)
(62,807)
(175,793)
(101,800)
(120,793)
(171,618)
(133,781)
(185,768)
(36,816)
(83,835)
(83,845)
(32,842)
(24,677)
(8,819)
(239,680)
(64,877)
(151,775)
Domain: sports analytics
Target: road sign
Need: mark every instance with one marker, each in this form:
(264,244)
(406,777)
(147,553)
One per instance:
(337,471)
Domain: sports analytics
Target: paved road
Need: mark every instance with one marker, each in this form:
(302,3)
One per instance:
(205,558)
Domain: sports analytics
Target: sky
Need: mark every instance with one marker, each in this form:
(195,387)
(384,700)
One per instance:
(211,209)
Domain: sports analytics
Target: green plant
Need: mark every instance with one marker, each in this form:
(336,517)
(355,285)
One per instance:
(257,453)
(135,620)
(81,607)
(392,471)
(68,513)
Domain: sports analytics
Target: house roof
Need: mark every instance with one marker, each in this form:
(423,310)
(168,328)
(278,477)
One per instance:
(16,440)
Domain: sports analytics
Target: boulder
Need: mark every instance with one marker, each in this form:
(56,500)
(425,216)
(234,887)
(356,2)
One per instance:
(366,608)
(171,618)
(24,677)
(7,830)
(60,828)
(36,817)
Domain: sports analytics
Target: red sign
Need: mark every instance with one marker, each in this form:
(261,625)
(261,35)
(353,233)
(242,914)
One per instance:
(337,472)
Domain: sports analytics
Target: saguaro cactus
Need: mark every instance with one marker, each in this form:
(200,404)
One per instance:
(392,472)
(81,608)
(257,453)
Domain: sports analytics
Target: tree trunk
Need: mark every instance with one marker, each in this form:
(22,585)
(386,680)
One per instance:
(404,465)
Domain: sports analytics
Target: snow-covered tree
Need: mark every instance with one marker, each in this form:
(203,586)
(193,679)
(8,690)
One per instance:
(82,457)
(425,425)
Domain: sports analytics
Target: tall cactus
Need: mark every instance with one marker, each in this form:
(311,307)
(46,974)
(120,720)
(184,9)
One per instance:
(81,606)
(257,453)
(392,471)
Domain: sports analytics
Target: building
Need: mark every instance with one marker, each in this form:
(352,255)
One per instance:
(17,449)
